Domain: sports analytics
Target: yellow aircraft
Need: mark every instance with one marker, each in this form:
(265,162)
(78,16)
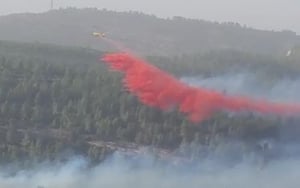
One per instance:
(98,34)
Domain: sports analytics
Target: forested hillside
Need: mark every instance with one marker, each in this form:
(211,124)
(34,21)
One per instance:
(55,99)
(143,33)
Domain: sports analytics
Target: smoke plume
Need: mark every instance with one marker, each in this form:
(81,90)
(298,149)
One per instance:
(120,173)
(243,83)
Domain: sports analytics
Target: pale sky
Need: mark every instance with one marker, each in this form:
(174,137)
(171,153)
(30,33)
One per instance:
(262,14)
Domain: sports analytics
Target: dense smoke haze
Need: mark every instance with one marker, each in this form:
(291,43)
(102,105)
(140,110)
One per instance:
(120,173)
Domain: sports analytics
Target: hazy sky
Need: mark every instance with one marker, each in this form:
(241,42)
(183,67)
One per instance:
(266,14)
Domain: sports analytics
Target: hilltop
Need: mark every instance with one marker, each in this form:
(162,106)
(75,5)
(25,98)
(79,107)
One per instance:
(145,34)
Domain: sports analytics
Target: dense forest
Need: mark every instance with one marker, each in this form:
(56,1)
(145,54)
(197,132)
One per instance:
(56,100)
(146,34)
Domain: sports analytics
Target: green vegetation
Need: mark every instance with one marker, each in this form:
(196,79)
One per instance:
(55,99)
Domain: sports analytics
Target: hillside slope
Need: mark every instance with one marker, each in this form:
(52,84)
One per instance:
(143,33)
(55,99)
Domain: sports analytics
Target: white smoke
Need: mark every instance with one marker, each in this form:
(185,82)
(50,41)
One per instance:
(247,84)
(119,173)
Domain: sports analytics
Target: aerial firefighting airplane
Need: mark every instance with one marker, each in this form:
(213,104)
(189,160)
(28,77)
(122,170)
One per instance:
(99,34)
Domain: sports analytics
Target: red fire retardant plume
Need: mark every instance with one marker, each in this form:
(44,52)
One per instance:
(157,88)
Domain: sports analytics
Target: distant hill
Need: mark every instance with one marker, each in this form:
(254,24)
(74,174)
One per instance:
(146,34)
